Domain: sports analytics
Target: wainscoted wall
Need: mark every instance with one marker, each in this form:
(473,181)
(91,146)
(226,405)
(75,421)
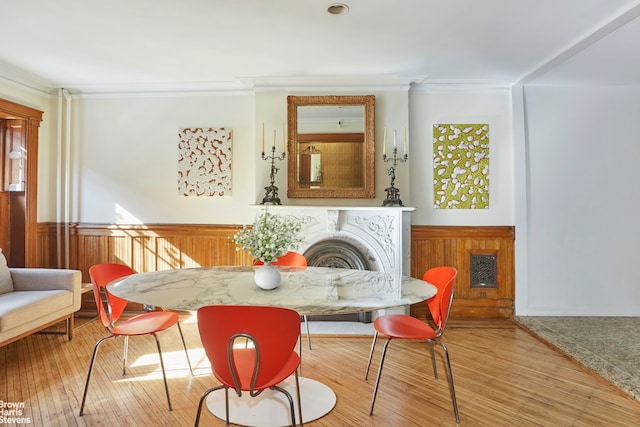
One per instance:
(150,247)
(484,256)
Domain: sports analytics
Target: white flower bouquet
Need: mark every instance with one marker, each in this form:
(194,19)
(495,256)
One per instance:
(270,237)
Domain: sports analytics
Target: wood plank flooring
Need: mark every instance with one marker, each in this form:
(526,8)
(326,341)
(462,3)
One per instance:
(503,376)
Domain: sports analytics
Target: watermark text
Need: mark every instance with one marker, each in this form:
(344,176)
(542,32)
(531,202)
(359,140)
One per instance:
(13,413)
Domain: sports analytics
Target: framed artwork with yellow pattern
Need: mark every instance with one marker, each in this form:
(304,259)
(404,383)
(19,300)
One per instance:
(461,166)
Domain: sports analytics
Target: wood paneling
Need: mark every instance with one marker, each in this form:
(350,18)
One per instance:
(150,247)
(145,248)
(155,247)
(433,246)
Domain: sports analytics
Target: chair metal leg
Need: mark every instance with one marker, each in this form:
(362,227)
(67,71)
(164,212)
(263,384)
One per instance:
(290,399)
(93,359)
(300,353)
(306,323)
(304,317)
(124,355)
(184,344)
(375,389)
(451,387)
(432,343)
(373,345)
(433,359)
(202,398)
(299,400)
(164,374)
(226,400)
(226,403)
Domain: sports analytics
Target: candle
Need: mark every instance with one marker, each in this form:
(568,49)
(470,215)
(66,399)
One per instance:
(384,143)
(263,137)
(405,141)
(284,146)
(274,139)
(395,134)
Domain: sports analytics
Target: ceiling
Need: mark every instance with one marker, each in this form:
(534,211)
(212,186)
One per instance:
(168,45)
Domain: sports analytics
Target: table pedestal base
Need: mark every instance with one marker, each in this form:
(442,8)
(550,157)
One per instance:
(271,408)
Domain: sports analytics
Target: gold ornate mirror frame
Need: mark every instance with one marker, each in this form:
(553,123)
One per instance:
(360,144)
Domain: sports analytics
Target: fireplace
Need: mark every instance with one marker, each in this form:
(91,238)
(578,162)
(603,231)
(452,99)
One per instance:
(380,235)
(368,238)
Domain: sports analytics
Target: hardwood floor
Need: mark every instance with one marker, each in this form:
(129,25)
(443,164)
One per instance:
(503,376)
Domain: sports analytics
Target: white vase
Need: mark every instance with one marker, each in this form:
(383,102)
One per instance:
(267,276)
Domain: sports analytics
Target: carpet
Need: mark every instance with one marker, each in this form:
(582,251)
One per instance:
(609,346)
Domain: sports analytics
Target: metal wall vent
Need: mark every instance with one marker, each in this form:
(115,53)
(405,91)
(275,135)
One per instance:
(484,271)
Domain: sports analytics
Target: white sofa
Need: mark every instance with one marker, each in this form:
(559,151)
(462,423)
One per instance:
(32,299)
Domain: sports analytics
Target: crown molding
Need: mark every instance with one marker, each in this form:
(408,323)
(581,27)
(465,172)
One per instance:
(155,89)
(243,85)
(25,80)
(351,82)
(466,86)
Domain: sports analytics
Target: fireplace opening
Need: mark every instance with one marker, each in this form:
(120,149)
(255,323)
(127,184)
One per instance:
(336,253)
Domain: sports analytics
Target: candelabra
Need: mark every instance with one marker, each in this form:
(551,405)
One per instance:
(271,192)
(393,194)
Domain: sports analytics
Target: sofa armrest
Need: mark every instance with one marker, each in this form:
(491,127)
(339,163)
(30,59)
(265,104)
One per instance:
(41,279)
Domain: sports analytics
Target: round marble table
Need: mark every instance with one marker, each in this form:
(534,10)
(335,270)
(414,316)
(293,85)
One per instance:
(307,290)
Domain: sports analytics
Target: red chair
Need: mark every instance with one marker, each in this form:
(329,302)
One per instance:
(263,357)
(406,327)
(110,309)
(292,259)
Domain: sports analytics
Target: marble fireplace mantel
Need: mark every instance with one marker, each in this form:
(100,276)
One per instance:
(381,234)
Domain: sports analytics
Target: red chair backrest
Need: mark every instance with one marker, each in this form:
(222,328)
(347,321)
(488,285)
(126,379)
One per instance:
(274,329)
(291,258)
(444,278)
(101,275)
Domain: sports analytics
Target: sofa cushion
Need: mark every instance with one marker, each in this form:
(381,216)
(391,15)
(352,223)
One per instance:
(19,307)
(6,284)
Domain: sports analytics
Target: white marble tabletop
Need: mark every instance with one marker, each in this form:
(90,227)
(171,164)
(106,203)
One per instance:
(308,290)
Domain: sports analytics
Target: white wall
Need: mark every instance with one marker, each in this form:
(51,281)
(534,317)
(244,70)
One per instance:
(429,106)
(124,151)
(581,202)
(125,158)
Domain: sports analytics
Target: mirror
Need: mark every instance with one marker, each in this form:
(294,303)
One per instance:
(331,147)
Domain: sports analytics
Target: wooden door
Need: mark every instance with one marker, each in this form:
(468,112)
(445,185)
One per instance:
(18,193)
